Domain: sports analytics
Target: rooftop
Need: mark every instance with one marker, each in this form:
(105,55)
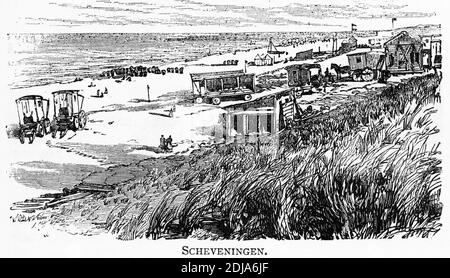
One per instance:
(218,74)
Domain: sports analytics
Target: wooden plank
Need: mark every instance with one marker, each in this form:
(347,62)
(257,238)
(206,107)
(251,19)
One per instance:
(95,187)
(68,198)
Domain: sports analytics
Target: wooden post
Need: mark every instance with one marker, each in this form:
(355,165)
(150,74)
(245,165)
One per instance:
(148,93)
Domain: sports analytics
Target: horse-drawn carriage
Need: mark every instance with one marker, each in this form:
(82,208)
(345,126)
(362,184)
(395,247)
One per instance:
(33,117)
(69,113)
(364,65)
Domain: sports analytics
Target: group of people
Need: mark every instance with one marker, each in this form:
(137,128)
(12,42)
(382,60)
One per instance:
(100,94)
(165,144)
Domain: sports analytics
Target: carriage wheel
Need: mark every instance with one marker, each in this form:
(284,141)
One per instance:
(82,120)
(216,101)
(75,124)
(40,130)
(198,100)
(31,137)
(247,97)
(21,137)
(356,76)
(367,74)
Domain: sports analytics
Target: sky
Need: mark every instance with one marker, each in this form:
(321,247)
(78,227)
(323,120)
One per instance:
(213,16)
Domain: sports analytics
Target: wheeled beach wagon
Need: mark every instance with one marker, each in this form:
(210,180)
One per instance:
(216,86)
(365,64)
(33,117)
(305,77)
(69,113)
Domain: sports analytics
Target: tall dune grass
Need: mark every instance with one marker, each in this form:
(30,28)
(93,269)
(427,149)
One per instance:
(365,170)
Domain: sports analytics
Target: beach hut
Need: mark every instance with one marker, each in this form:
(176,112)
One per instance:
(263,60)
(403,54)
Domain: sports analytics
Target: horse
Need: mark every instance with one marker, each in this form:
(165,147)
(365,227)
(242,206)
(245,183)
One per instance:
(340,70)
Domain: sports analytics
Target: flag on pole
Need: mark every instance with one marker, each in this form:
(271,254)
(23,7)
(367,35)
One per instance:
(353,27)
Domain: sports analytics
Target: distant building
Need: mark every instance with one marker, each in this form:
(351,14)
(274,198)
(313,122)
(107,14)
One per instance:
(303,55)
(403,54)
(263,60)
(377,42)
(432,50)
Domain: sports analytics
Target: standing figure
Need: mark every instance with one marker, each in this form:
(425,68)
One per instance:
(106,91)
(162,143)
(169,145)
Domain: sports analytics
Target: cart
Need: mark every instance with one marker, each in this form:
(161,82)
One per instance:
(33,117)
(365,64)
(304,77)
(68,112)
(217,86)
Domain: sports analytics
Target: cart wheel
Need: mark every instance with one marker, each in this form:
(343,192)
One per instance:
(75,124)
(367,74)
(82,120)
(356,77)
(216,101)
(62,133)
(21,137)
(31,137)
(247,97)
(40,129)
(198,100)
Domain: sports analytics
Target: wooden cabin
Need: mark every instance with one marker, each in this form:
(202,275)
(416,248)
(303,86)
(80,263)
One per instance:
(303,55)
(403,54)
(250,121)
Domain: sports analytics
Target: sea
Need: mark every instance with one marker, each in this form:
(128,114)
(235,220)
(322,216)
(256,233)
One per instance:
(39,59)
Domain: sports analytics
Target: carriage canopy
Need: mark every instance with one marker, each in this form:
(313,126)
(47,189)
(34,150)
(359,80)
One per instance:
(32,108)
(68,101)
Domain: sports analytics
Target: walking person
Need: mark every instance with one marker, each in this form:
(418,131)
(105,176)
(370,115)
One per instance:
(326,80)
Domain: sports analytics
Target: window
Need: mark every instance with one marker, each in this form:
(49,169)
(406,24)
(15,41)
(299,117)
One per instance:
(269,123)
(358,60)
(417,57)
